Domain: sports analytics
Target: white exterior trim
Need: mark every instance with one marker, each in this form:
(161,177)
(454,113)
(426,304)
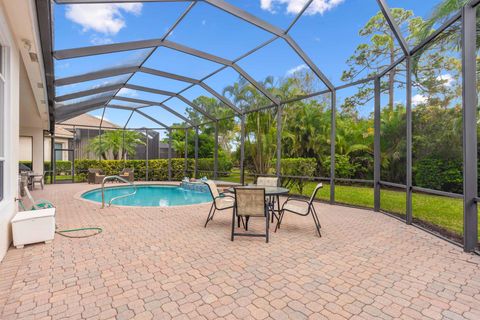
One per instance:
(8,206)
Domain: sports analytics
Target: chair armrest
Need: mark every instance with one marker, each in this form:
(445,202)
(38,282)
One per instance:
(295,198)
(224,196)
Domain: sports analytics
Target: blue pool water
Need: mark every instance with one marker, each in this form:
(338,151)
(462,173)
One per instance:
(149,196)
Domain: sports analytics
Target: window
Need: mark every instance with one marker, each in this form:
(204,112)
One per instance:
(2,120)
(58,152)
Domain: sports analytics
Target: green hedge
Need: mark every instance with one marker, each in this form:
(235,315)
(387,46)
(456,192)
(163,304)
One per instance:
(304,167)
(61,166)
(439,174)
(158,168)
(224,165)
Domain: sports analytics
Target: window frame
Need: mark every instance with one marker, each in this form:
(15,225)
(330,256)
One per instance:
(3,94)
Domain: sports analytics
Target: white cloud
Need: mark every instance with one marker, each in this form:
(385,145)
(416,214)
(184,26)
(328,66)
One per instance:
(102,18)
(296,69)
(96,40)
(447,79)
(419,99)
(204,22)
(295,6)
(125,92)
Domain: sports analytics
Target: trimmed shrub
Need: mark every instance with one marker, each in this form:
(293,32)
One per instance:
(343,167)
(62,166)
(304,167)
(437,174)
(157,168)
(207,164)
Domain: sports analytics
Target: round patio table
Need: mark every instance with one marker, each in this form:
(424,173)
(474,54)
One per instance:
(269,192)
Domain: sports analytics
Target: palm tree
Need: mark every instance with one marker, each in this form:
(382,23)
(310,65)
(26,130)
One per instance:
(119,143)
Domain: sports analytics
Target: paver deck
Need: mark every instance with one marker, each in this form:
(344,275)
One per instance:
(161,263)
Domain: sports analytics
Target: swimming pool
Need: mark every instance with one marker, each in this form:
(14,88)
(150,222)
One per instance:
(149,196)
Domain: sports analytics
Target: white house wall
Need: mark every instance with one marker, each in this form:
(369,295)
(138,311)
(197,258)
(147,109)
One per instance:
(11,139)
(26,112)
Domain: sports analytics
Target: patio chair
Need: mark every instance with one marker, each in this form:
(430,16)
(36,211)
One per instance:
(301,207)
(269,182)
(37,178)
(220,201)
(95,176)
(127,174)
(250,202)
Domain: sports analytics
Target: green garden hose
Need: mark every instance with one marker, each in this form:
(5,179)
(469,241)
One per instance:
(62,232)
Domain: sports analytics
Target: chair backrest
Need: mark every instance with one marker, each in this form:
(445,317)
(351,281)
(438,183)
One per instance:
(250,201)
(99,171)
(314,194)
(268,181)
(213,188)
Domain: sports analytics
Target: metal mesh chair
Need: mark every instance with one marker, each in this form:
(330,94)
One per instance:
(250,202)
(220,201)
(268,181)
(271,182)
(301,207)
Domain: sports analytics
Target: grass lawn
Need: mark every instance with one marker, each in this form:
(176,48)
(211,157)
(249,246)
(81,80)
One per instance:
(446,213)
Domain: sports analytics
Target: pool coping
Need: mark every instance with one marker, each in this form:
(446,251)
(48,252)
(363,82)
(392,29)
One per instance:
(78,195)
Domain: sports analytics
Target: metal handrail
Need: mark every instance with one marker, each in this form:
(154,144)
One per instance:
(118,197)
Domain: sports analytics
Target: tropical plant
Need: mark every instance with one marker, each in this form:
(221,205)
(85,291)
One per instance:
(117,143)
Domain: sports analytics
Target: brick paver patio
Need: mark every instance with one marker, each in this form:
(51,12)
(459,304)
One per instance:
(161,263)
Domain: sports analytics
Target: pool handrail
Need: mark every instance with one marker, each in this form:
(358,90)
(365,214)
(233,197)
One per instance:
(117,197)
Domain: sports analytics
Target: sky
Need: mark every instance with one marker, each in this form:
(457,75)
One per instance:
(327,32)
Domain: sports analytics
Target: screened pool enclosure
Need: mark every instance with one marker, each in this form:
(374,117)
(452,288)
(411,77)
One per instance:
(376,98)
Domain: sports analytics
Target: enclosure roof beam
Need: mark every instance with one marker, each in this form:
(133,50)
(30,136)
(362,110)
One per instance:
(436,33)
(81,103)
(393,26)
(89,92)
(220,97)
(245,16)
(114,1)
(152,119)
(168,75)
(148,103)
(257,85)
(95,75)
(151,90)
(128,120)
(105,48)
(173,94)
(44,17)
(119,71)
(117,106)
(308,61)
(191,104)
(260,23)
(63,114)
(108,48)
(473,3)
(135,45)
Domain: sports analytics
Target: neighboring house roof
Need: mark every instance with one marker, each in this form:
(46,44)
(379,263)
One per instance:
(89,121)
(61,132)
